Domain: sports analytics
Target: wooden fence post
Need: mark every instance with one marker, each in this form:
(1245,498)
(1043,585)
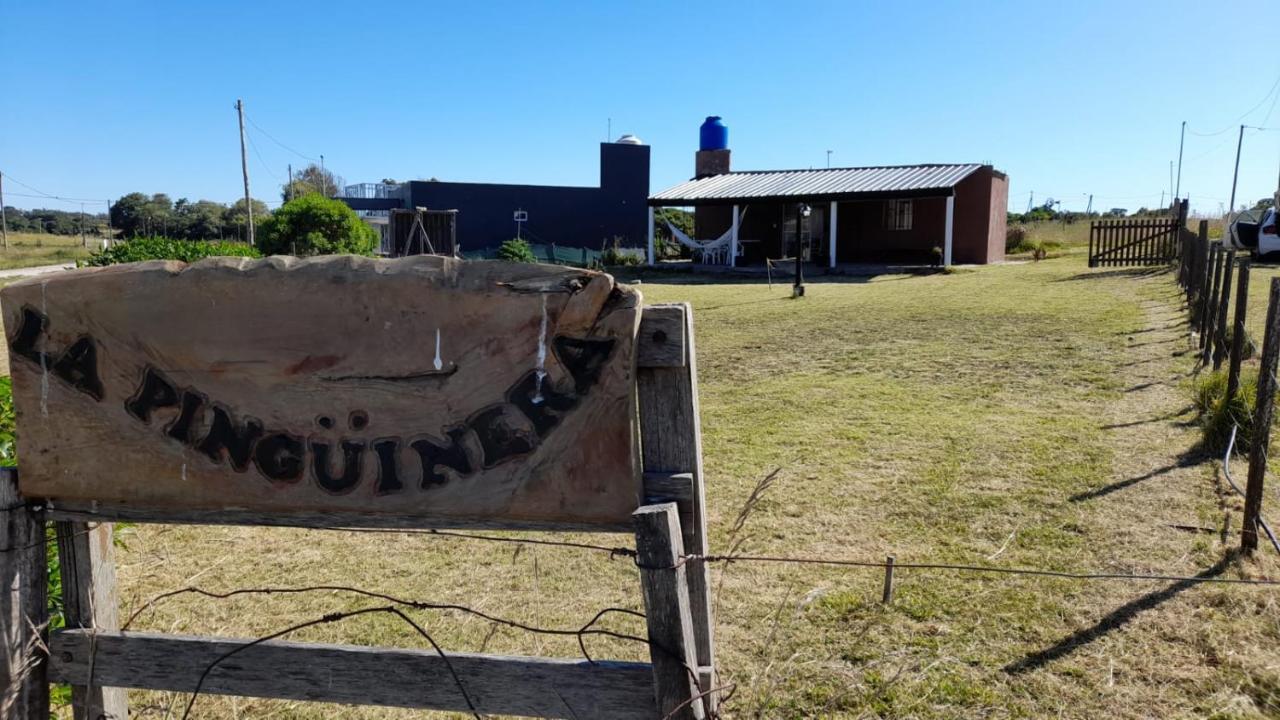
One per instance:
(1211,291)
(89,596)
(1262,422)
(1238,332)
(24,612)
(671,442)
(1198,262)
(1219,339)
(659,552)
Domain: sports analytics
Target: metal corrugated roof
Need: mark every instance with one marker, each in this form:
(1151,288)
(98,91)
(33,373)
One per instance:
(826,183)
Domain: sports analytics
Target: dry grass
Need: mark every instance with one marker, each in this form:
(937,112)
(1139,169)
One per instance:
(1029,415)
(32,249)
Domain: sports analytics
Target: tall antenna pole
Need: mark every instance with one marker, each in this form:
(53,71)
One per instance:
(4,224)
(1177,192)
(244,167)
(828,159)
(1235,176)
(1031,200)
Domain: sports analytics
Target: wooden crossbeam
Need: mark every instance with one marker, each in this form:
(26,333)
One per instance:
(389,677)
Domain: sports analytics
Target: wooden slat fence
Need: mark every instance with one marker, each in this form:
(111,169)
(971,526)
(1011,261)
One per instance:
(1133,242)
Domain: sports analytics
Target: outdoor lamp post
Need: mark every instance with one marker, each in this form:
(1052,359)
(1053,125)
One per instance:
(802,213)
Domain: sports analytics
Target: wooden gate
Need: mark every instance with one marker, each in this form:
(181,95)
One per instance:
(579,411)
(1133,242)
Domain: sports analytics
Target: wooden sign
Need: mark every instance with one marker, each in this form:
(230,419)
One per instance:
(422,386)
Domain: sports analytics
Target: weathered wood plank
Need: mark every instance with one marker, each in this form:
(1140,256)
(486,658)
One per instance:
(87,559)
(677,488)
(661,339)
(389,677)
(671,442)
(666,603)
(24,689)
(415,385)
(111,512)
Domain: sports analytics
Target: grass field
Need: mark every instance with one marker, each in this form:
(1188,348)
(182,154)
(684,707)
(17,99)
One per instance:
(32,249)
(1030,415)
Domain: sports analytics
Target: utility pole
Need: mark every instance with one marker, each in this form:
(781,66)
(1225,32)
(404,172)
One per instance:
(1089,208)
(1031,200)
(244,167)
(1236,175)
(324,179)
(1177,191)
(83,240)
(111,233)
(288,188)
(4,224)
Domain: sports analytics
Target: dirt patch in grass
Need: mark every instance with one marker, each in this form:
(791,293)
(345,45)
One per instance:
(1031,415)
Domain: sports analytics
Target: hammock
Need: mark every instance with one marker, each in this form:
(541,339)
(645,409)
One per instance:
(710,246)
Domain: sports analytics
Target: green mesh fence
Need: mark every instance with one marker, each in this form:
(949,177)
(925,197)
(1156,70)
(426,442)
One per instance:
(553,254)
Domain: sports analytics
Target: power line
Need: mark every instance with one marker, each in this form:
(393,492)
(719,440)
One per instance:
(1233,125)
(44,194)
(265,166)
(272,139)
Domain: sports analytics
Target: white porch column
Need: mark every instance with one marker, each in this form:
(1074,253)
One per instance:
(733,239)
(831,256)
(946,243)
(651,235)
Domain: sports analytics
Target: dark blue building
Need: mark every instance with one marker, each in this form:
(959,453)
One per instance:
(566,216)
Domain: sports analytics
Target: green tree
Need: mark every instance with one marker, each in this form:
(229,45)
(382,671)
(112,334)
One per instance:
(312,179)
(128,214)
(316,225)
(235,221)
(516,250)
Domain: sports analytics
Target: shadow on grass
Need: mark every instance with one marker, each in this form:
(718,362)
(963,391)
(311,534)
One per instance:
(1187,459)
(1162,418)
(1153,342)
(1118,272)
(1114,620)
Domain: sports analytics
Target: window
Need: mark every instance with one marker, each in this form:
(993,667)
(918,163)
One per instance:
(897,215)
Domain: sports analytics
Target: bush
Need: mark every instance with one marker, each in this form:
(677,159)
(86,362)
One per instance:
(316,225)
(163,248)
(516,250)
(615,255)
(1217,417)
(1015,239)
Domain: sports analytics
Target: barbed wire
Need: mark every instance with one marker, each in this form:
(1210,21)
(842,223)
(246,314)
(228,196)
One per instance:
(586,629)
(324,620)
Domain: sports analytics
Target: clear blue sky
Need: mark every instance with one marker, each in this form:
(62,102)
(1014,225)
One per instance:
(1068,98)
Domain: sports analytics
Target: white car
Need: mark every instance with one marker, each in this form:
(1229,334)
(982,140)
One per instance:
(1260,238)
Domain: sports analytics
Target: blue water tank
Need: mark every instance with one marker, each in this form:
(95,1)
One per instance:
(713,135)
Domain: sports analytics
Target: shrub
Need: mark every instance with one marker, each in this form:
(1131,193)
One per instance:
(1015,239)
(1217,417)
(1249,349)
(163,248)
(516,250)
(615,255)
(316,225)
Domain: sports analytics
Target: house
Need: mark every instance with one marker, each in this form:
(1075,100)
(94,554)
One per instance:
(932,213)
(577,217)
